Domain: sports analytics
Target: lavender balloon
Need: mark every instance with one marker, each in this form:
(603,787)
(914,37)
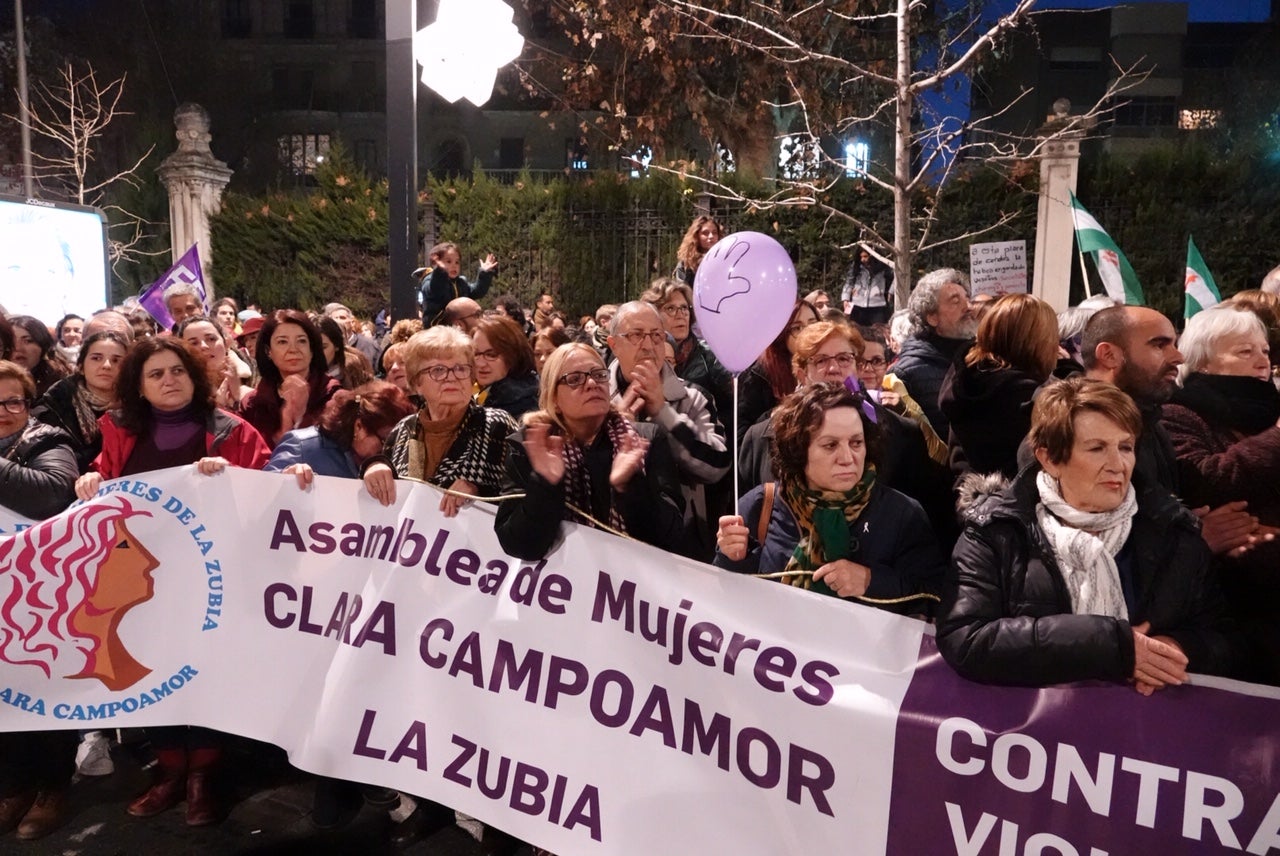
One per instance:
(744,292)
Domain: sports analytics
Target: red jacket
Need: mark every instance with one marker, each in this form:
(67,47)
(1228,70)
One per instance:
(226,435)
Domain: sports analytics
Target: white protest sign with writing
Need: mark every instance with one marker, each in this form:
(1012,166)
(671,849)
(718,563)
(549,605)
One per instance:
(998,268)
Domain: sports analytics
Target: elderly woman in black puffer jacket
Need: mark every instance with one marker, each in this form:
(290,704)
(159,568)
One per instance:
(1075,573)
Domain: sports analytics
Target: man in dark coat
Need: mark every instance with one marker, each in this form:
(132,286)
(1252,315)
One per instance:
(942,326)
(1134,348)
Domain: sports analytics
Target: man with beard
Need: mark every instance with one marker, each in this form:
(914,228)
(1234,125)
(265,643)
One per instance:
(1134,348)
(942,328)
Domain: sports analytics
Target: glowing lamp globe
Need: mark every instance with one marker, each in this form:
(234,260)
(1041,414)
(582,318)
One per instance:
(461,52)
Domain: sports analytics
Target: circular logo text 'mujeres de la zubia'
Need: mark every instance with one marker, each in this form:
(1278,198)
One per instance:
(65,587)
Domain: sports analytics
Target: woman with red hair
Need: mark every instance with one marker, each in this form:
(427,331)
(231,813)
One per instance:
(771,378)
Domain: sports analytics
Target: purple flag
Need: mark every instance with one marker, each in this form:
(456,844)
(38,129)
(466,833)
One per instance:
(186,269)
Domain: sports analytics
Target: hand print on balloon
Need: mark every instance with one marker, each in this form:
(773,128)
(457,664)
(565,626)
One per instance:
(744,291)
(65,586)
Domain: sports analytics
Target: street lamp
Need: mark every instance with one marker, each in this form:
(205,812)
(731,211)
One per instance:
(461,52)
(460,55)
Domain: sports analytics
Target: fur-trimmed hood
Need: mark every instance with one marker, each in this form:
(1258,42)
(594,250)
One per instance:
(978,493)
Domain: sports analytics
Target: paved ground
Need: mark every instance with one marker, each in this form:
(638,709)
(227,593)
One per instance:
(270,805)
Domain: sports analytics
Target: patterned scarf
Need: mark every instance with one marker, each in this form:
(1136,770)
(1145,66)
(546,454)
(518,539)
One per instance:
(684,350)
(88,407)
(477,455)
(825,518)
(1085,545)
(577,481)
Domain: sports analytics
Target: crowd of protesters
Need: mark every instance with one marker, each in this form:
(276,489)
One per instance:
(1103,488)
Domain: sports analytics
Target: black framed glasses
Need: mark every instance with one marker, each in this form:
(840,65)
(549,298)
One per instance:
(873,363)
(439,373)
(19,405)
(489,355)
(574,380)
(676,310)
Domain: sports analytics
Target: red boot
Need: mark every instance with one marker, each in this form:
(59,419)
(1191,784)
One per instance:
(202,806)
(168,788)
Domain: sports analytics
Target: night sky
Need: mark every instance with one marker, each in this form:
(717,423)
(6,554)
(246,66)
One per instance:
(1199,11)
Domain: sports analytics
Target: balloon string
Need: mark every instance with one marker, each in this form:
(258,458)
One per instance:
(733,426)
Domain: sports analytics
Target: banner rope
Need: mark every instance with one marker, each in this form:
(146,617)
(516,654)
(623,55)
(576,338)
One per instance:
(495,499)
(880,601)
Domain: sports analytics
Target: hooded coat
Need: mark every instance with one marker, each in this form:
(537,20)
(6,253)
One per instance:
(1006,615)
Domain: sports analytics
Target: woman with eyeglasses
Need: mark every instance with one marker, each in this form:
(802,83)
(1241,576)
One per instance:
(987,399)
(579,458)
(37,480)
(168,418)
(828,352)
(771,378)
(295,386)
(829,521)
(35,458)
(451,442)
(823,352)
(504,367)
(694,361)
(76,403)
(873,371)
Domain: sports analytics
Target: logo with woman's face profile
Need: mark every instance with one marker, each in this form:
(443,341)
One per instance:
(66,585)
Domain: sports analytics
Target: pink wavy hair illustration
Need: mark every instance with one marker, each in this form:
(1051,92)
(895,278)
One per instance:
(46,573)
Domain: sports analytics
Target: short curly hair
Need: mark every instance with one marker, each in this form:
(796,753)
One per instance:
(924,298)
(1053,418)
(813,337)
(800,415)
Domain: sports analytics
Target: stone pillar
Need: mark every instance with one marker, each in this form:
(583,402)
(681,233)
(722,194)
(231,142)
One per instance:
(195,180)
(1059,140)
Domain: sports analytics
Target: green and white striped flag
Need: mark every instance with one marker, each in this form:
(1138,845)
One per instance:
(1202,291)
(1117,274)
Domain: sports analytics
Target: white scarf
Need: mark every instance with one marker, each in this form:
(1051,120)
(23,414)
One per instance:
(1085,545)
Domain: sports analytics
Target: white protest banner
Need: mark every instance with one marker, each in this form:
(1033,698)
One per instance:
(611,698)
(998,268)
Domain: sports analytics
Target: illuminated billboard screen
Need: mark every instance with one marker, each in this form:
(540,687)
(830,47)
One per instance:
(53,259)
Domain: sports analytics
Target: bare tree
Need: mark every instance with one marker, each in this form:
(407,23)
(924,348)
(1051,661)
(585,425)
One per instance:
(841,65)
(70,115)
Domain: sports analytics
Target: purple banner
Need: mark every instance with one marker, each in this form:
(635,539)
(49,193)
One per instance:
(187,270)
(1089,769)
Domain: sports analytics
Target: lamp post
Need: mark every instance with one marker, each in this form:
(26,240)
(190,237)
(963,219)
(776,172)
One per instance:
(460,54)
(402,156)
(24,108)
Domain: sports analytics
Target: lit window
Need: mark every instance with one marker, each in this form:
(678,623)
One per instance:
(637,163)
(1195,120)
(725,161)
(577,153)
(300,153)
(799,156)
(857,158)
